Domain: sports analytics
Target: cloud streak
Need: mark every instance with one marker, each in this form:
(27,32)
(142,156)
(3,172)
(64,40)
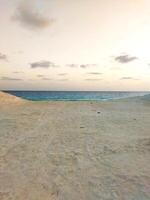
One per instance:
(83,66)
(18,72)
(42,64)
(40,75)
(93,79)
(125,59)
(5,78)
(3,56)
(72,65)
(62,74)
(46,79)
(30,17)
(94,73)
(128,78)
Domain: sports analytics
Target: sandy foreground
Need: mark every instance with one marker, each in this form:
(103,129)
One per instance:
(74,150)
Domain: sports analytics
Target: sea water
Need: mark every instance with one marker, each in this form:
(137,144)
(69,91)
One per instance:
(74,95)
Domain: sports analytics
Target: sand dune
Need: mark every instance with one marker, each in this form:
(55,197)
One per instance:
(6,98)
(74,150)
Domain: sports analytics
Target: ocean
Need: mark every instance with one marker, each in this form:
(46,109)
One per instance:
(74,95)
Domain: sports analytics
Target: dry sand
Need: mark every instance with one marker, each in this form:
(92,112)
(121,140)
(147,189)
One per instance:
(70,151)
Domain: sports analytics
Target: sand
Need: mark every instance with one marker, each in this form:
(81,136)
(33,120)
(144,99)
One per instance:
(74,150)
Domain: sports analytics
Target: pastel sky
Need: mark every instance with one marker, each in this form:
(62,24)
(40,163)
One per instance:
(75,45)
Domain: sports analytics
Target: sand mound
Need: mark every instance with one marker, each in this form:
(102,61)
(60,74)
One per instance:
(8,98)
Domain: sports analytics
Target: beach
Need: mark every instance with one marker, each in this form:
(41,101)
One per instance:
(69,150)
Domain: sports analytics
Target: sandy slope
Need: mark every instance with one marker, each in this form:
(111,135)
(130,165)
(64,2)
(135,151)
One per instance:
(70,151)
(6,98)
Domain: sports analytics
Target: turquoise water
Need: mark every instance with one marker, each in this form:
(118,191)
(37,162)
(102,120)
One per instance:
(74,95)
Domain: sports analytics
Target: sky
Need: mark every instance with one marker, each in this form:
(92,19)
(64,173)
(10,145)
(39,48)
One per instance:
(75,45)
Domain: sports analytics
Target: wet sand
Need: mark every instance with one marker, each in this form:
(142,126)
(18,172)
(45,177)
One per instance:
(74,150)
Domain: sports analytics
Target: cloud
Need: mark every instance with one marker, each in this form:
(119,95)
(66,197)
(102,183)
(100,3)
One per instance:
(72,65)
(5,78)
(125,58)
(62,74)
(28,15)
(128,78)
(93,79)
(42,64)
(46,79)
(84,66)
(40,76)
(17,72)
(94,73)
(3,57)
(87,65)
